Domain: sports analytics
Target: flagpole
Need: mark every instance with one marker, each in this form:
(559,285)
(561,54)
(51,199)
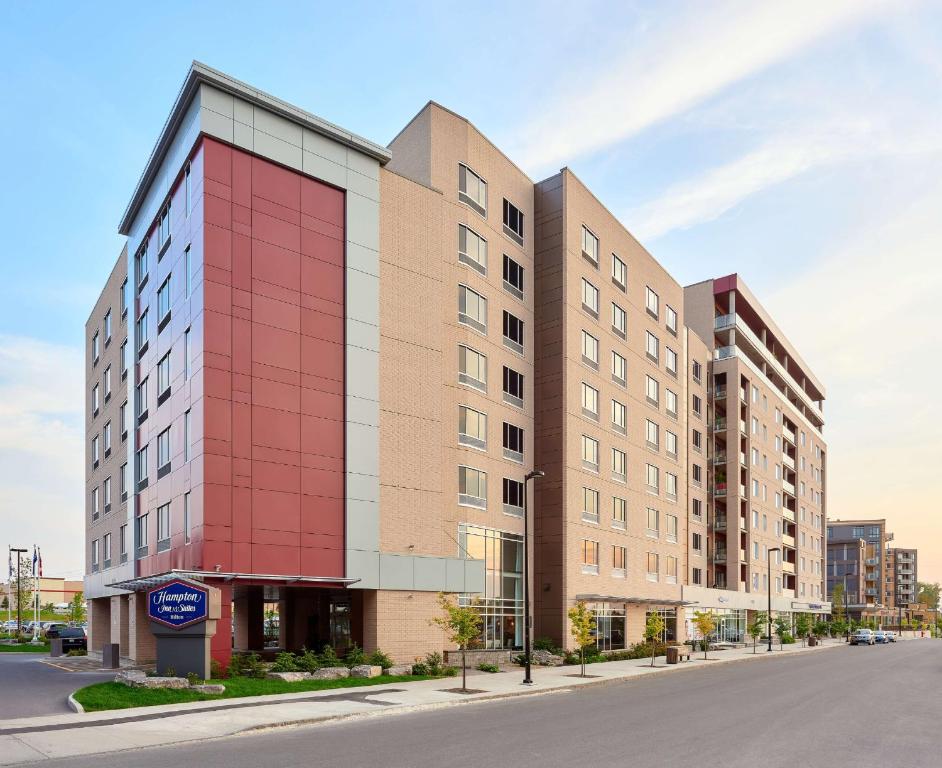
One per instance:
(35,599)
(10,583)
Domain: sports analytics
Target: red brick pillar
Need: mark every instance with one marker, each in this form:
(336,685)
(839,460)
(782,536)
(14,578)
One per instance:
(221,644)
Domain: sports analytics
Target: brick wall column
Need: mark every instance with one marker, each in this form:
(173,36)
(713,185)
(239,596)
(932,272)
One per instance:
(142,645)
(120,623)
(221,643)
(99,623)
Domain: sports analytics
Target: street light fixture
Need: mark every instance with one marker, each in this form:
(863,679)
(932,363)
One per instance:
(771,550)
(526,575)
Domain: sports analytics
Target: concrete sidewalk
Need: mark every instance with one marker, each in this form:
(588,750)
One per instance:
(40,738)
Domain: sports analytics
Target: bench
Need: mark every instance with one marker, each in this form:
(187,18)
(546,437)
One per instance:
(677,653)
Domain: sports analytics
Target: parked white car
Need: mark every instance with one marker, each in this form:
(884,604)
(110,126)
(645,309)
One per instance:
(863,637)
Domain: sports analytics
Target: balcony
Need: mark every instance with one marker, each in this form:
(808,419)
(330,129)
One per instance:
(719,490)
(742,523)
(719,425)
(788,434)
(742,427)
(872,561)
(789,487)
(719,393)
(742,459)
(787,567)
(788,541)
(719,556)
(742,491)
(788,461)
(871,592)
(719,523)
(788,514)
(742,555)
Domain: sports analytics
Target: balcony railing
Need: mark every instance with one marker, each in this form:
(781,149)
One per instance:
(789,487)
(719,392)
(788,461)
(742,555)
(719,523)
(742,491)
(720,458)
(742,523)
(719,556)
(719,425)
(788,514)
(788,540)
(788,567)
(789,434)
(742,427)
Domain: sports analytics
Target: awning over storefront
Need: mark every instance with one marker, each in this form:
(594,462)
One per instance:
(141,583)
(631,600)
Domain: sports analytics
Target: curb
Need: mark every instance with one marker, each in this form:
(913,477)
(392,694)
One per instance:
(74,705)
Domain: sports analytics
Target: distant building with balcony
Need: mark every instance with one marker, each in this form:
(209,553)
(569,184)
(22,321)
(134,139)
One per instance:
(900,587)
(856,559)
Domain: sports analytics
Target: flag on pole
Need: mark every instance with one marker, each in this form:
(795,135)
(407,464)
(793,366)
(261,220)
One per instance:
(34,559)
(40,561)
(10,560)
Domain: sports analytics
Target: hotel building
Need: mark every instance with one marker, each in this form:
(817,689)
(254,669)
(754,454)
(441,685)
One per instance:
(332,364)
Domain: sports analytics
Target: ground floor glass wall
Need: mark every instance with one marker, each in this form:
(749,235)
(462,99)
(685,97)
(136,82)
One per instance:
(609,626)
(730,625)
(501,605)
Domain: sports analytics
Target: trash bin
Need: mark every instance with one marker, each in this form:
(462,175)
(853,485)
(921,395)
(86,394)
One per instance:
(672,654)
(55,646)
(109,656)
(812,641)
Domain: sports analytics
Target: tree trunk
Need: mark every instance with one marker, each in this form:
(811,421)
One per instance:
(464,671)
(653,651)
(582,660)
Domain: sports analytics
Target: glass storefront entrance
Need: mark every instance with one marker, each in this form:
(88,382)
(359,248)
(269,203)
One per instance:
(501,605)
(730,625)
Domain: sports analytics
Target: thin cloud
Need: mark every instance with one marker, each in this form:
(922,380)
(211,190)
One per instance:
(676,67)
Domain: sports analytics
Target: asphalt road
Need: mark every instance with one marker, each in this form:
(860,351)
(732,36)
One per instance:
(857,707)
(29,687)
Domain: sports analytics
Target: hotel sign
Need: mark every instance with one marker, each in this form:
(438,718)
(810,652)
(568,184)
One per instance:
(178,604)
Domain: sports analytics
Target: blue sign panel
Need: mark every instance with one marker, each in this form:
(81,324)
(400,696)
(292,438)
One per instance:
(178,604)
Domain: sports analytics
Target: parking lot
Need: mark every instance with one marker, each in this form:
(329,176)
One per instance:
(30,687)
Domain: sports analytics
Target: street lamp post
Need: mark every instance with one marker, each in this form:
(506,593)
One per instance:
(19,587)
(526,575)
(771,550)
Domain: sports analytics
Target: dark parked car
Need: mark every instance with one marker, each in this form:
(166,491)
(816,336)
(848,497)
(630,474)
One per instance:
(73,638)
(53,630)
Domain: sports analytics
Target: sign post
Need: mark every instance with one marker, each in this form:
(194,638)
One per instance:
(183,620)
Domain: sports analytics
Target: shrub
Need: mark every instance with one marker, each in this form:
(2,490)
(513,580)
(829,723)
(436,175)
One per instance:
(77,652)
(434,663)
(419,668)
(328,657)
(787,639)
(355,656)
(285,662)
(449,672)
(308,661)
(547,644)
(192,678)
(485,667)
(246,665)
(380,659)
(216,671)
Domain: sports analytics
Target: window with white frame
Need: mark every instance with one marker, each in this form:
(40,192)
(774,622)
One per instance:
(590,453)
(590,556)
(671,319)
(472,309)
(619,465)
(619,369)
(590,350)
(653,523)
(590,401)
(653,478)
(472,427)
(472,189)
(590,298)
(652,302)
(619,272)
(652,346)
(652,434)
(590,246)
(472,249)
(619,417)
(653,560)
(472,368)
(619,321)
(590,505)
(472,487)
(670,402)
(619,512)
(652,390)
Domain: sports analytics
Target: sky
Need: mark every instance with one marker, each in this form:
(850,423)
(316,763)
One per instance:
(798,144)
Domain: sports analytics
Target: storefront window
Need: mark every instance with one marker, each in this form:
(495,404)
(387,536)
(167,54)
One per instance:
(669,616)
(730,625)
(501,605)
(610,626)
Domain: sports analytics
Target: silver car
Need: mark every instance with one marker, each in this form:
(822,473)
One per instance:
(863,637)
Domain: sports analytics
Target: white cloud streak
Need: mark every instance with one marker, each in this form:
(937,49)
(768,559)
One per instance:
(676,67)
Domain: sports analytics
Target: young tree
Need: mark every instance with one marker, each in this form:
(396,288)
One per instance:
(653,629)
(757,627)
(705,623)
(77,608)
(582,629)
(462,625)
(781,629)
(837,603)
(803,626)
(21,588)
(928,594)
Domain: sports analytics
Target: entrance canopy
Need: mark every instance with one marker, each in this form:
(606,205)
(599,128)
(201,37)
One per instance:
(142,583)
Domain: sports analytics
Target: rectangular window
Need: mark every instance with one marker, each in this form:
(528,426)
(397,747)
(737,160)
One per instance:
(106,491)
(472,368)
(163,377)
(670,443)
(652,390)
(696,508)
(652,434)
(123,479)
(619,369)
(163,229)
(96,399)
(652,346)
(96,456)
(651,302)
(187,197)
(96,347)
(513,277)
(472,487)
(472,428)
(697,405)
(590,556)
(590,246)
(619,272)
(96,503)
(187,351)
(670,361)
(140,525)
(590,453)
(697,370)
(672,526)
(513,332)
(472,189)
(186,435)
(141,466)
(620,560)
(590,350)
(472,249)
(619,417)
(513,222)
(696,542)
(163,527)
(513,387)
(163,304)
(95,544)
(619,321)
(123,542)
(671,321)
(125,419)
(163,450)
(697,474)
(107,380)
(513,442)
(107,325)
(670,403)
(141,331)
(652,566)
(140,266)
(619,465)
(472,309)
(697,576)
(513,497)
(671,571)
(124,297)
(106,438)
(590,505)
(619,513)
(124,358)
(670,485)
(590,298)
(652,476)
(106,542)
(186,518)
(188,271)
(590,401)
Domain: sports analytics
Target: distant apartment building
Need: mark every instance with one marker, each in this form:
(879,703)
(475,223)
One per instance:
(901,576)
(856,560)
(768,461)
(330,366)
